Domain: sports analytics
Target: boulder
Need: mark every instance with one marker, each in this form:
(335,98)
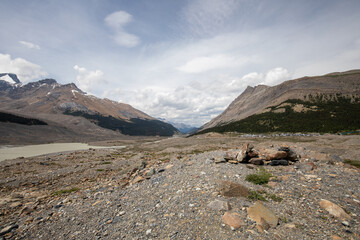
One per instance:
(256,161)
(242,155)
(334,209)
(272,154)
(233,219)
(219,205)
(259,213)
(253,154)
(281,162)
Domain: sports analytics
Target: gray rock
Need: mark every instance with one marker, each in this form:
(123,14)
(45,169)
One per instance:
(336,158)
(219,205)
(150,172)
(209,161)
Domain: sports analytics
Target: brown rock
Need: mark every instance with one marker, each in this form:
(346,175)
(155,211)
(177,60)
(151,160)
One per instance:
(230,155)
(272,154)
(26,210)
(258,211)
(334,209)
(138,179)
(334,237)
(233,220)
(253,154)
(256,161)
(169,166)
(15,204)
(232,189)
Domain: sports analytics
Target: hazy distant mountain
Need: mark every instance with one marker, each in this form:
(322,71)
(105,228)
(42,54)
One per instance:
(71,109)
(322,103)
(182,127)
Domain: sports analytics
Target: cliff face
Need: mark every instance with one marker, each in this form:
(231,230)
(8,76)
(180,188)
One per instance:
(255,100)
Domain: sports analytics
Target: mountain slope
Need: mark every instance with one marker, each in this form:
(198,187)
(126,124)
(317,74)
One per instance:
(260,106)
(68,107)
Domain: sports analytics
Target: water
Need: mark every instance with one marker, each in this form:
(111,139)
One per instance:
(9,152)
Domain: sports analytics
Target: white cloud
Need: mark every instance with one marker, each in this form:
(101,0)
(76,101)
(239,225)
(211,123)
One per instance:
(25,70)
(88,80)
(204,64)
(193,103)
(30,45)
(117,21)
(276,76)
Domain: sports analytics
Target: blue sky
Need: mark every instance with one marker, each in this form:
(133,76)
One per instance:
(184,61)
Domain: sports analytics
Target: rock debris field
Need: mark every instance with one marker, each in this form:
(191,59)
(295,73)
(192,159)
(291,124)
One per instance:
(207,187)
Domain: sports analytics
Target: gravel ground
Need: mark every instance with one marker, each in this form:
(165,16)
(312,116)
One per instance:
(171,201)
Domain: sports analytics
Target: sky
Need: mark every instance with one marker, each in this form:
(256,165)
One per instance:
(179,60)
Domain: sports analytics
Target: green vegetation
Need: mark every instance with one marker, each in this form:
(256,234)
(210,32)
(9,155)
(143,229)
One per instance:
(284,219)
(259,178)
(353,163)
(274,197)
(65,191)
(263,196)
(7,117)
(133,127)
(323,114)
(100,169)
(254,196)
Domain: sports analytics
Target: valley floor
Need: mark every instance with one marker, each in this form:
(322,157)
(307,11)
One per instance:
(162,188)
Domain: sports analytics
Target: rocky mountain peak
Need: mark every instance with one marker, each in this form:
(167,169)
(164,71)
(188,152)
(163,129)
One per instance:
(10,78)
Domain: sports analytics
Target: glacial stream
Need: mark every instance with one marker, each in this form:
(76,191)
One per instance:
(11,152)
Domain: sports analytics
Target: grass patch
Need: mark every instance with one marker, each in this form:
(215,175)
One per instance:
(263,196)
(254,196)
(106,163)
(259,178)
(353,163)
(65,191)
(274,197)
(100,169)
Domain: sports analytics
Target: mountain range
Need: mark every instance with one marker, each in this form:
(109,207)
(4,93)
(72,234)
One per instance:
(68,113)
(328,103)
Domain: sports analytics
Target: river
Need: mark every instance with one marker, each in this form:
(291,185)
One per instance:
(11,152)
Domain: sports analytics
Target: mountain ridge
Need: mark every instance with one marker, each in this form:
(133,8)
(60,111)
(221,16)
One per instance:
(258,99)
(66,107)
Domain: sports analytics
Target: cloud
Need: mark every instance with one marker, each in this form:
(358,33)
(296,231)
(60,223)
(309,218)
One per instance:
(30,45)
(117,21)
(206,17)
(204,64)
(193,103)
(276,76)
(25,70)
(87,80)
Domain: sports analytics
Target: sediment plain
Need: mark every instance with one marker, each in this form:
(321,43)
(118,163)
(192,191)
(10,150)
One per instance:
(173,188)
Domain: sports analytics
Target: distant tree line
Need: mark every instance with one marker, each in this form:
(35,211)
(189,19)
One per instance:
(7,117)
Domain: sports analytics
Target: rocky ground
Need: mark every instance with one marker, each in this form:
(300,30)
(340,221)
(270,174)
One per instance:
(182,188)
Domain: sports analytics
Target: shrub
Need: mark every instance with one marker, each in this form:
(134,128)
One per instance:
(259,178)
